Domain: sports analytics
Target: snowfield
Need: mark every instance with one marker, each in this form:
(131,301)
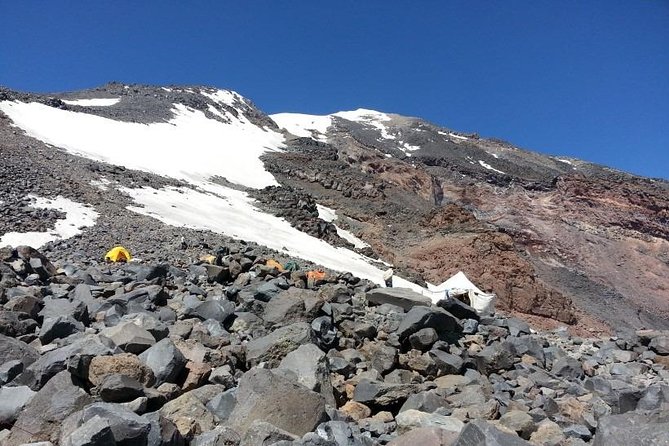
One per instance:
(100,102)
(77,216)
(190,147)
(306,126)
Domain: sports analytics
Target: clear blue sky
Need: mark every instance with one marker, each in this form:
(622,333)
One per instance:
(588,79)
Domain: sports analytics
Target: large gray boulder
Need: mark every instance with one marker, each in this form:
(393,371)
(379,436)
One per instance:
(445,324)
(273,347)
(126,426)
(287,306)
(13,349)
(310,366)
(130,337)
(42,417)
(12,401)
(642,429)
(165,360)
(402,297)
(266,396)
(379,394)
(481,433)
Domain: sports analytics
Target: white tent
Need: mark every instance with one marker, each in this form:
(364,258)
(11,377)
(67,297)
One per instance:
(479,301)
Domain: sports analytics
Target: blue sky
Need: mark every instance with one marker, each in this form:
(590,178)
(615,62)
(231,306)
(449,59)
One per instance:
(588,79)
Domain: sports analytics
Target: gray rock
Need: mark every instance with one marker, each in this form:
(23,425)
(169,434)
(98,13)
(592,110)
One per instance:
(568,367)
(163,432)
(425,436)
(64,307)
(261,433)
(165,360)
(401,297)
(273,347)
(517,327)
(223,404)
(127,427)
(445,324)
(265,396)
(10,370)
(266,291)
(12,402)
(660,344)
(75,357)
(339,433)
(481,433)
(130,337)
(379,394)
(219,436)
(495,357)
(218,310)
(42,416)
(94,432)
(427,401)
(423,339)
(59,327)
(13,349)
(286,307)
(310,366)
(643,429)
(116,388)
(458,309)
(447,364)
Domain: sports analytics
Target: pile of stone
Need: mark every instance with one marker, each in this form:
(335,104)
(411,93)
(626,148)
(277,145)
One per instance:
(244,354)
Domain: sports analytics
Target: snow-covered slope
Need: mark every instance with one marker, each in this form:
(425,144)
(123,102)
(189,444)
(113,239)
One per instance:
(197,149)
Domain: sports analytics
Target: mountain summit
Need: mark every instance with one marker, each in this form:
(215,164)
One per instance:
(155,167)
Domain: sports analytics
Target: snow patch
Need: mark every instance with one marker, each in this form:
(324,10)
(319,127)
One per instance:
(77,216)
(225,97)
(489,167)
(330,215)
(306,126)
(564,161)
(231,212)
(100,102)
(369,117)
(409,147)
(101,184)
(190,147)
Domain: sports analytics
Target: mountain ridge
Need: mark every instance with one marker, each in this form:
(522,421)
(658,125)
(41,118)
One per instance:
(431,201)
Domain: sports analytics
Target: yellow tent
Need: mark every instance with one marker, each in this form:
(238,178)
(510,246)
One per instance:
(118,254)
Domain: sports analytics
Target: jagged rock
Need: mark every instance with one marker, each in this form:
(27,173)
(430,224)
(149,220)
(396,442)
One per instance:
(12,401)
(59,327)
(418,318)
(547,433)
(10,370)
(222,404)
(660,344)
(494,357)
(401,297)
(189,414)
(262,433)
(126,426)
(94,432)
(423,339)
(447,364)
(286,307)
(130,337)
(218,310)
(651,428)
(568,367)
(13,349)
(428,401)
(458,309)
(410,419)
(378,394)
(310,366)
(219,436)
(425,436)
(520,422)
(54,308)
(481,433)
(74,357)
(116,388)
(197,374)
(125,364)
(41,417)
(165,360)
(273,347)
(265,396)
(356,411)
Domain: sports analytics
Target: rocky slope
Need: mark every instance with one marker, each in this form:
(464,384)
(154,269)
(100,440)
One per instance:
(241,353)
(555,238)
